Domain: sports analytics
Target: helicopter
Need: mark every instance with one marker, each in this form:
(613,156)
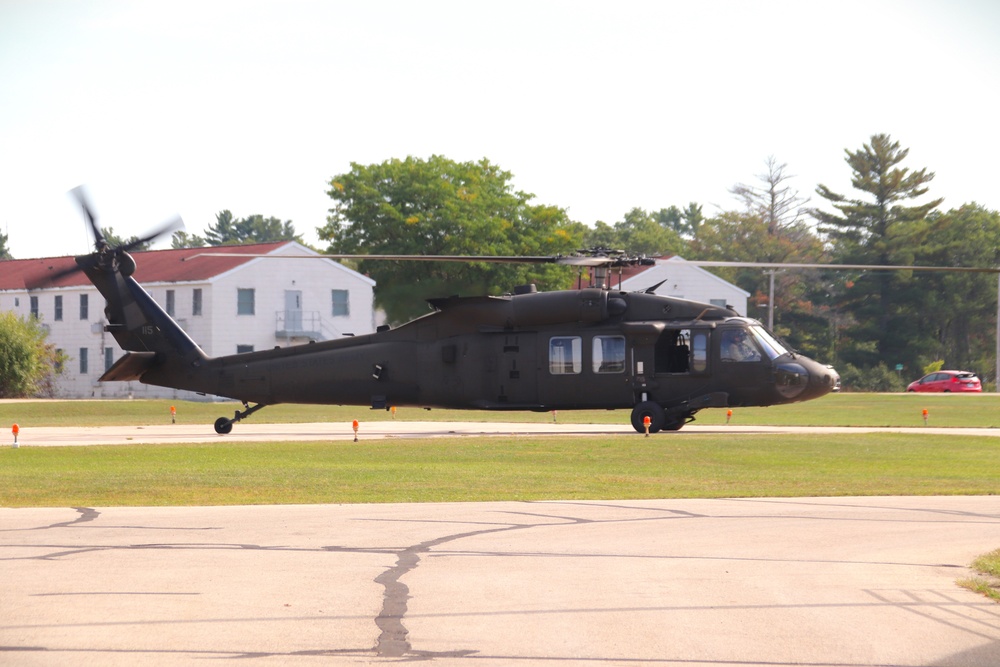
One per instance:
(663,358)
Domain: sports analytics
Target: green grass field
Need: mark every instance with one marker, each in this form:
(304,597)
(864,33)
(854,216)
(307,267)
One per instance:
(499,468)
(679,465)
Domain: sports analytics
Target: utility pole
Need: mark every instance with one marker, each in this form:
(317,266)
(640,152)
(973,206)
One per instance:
(770,300)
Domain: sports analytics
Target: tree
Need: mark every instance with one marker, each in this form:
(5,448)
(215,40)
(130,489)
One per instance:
(254,229)
(776,203)
(27,361)
(955,309)
(181,239)
(878,229)
(441,207)
(4,252)
(685,223)
(746,237)
(114,240)
(639,233)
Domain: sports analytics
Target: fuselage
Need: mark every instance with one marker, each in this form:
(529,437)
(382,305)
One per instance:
(565,350)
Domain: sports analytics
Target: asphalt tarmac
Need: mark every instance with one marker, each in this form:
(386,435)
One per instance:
(808,581)
(257,432)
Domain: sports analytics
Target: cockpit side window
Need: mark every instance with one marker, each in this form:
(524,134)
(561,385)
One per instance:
(737,345)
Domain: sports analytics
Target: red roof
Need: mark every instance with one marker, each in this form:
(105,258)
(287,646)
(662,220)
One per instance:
(152,266)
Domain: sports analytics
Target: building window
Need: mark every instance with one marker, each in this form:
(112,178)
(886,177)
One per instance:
(244,301)
(109,358)
(565,355)
(84,307)
(721,303)
(58,365)
(83,361)
(171,302)
(58,313)
(341,303)
(609,354)
(196,301)
(34,306)
(242,349)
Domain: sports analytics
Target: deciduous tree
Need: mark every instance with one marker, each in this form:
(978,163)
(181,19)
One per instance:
(639,233)
(27,361)
(441,207)
(956,310)
(774,201)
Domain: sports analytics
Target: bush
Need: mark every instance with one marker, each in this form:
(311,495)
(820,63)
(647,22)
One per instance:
(876,379)
(27,362)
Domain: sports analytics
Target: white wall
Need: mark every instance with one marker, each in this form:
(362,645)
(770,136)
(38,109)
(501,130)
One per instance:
(270,278)
(688,282)
(217,331)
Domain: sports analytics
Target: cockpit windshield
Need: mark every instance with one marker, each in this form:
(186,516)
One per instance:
(767,342)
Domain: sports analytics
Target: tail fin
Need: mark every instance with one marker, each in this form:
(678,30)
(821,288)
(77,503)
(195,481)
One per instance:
(135,320)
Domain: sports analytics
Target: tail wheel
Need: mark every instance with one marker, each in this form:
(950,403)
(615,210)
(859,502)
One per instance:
(651,410)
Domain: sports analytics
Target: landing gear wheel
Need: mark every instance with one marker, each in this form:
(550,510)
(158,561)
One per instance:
(223,426)
(651,410)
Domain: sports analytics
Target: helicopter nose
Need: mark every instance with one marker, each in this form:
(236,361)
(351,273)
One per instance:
(803,379)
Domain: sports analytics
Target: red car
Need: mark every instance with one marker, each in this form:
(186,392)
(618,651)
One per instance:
(947,381)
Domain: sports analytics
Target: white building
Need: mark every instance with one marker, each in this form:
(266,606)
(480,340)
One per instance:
(226,303)
(676,277)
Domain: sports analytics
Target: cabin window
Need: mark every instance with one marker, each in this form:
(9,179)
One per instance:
(244,301)
(341,303)
(699,352)
(565,355)
(58,313)
(608,354)
(196,302)
(673,351)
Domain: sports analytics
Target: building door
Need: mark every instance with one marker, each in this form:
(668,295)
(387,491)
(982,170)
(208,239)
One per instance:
(293,310)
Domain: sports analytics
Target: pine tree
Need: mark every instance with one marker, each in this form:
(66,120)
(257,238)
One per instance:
(879,229)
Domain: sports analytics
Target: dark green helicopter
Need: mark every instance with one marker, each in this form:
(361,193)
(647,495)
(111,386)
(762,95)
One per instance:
(664,358)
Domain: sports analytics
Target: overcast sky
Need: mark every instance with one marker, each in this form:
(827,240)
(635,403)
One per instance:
(189,108)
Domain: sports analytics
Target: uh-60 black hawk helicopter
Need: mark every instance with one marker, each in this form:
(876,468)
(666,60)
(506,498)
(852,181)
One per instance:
(664,358)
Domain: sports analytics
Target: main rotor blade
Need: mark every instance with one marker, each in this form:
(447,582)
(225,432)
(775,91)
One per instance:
(78,266)
(851,267)
(490,259)
(81,197)
(604,261)
(167,227)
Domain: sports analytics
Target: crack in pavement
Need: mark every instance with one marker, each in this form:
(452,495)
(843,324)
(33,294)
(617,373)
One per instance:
(393,640)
